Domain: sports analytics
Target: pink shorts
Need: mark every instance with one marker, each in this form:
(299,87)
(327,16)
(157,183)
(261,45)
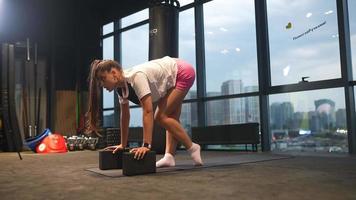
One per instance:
(185,75)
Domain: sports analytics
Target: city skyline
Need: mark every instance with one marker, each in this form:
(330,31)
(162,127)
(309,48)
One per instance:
(236,110)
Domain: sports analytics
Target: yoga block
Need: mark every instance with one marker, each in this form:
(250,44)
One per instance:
(131,166)
(108,160)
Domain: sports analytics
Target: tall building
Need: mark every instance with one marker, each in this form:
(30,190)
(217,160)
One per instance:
(188,116)
(340,116)
(234,109)
(252,108)
(325,110)
(281,115)
(214,110)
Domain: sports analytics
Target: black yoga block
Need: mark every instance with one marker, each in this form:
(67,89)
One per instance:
(108,160)
(131,166)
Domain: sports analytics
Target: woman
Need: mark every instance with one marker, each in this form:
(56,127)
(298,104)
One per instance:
(164,81)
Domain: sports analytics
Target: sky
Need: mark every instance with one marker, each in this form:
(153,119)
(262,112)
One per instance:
(230,45)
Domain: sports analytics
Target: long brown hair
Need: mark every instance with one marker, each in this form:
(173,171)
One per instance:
(92,115)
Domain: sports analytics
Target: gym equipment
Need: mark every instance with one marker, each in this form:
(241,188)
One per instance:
(81,142)
(112,136)
(11,128)
(163,26)
(91,143)
(33,142)
(53,143)
(131,166)
(108,160)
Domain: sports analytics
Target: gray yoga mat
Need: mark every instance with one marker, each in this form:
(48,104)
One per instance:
(208,163)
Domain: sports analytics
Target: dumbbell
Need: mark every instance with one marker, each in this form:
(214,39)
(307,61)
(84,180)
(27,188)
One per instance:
(131,166)
(71,147)
(91,143)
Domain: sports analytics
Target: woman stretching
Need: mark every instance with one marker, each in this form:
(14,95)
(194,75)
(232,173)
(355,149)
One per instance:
(164,81)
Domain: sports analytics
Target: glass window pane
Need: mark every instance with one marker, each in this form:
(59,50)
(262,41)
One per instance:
(108,28)
(233,111)
(189,116)
(134,46)
(187,43)
(109,119)
(230,47)
(304,41)
(352,20)
(135,117)
(134,18)
(135,51)
(108,53)
(185,2)
(309,121)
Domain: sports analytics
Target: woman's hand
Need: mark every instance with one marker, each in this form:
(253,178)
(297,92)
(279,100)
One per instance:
(140,152)
(114,148)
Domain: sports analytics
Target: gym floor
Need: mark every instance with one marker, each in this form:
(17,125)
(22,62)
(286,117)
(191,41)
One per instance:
(63,176)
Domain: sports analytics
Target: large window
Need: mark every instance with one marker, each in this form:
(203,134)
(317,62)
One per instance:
(109,119)
(108,53)
(187,42)
(310,121)
(230,47)
(189,116)
(108,97)
(352,20)
(136,117)
(135,51)
(233,111)
(185,2)
(134,18)
(304,41)
(108,28)
(134,46)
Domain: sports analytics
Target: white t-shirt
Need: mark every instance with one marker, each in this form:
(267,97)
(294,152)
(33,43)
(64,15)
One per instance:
(155,77)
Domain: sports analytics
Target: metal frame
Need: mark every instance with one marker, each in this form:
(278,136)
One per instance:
(346,71)
(264,74)
(200,61)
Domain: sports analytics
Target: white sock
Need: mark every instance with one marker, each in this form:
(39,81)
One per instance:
(195,154)
(166,161)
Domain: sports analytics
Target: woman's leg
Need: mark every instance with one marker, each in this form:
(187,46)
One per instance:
(166,107)
(171,141)
(171,144)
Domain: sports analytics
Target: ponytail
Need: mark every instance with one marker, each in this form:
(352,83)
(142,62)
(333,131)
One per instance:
(92,114)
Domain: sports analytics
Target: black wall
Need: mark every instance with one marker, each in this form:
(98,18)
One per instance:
(67,32)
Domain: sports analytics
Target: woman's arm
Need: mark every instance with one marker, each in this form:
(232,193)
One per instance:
(124,123)
(147,115)
(147,118)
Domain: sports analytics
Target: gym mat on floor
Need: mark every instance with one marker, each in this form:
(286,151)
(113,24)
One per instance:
(208,163)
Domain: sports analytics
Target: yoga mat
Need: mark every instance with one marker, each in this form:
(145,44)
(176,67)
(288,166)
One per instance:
(182,165)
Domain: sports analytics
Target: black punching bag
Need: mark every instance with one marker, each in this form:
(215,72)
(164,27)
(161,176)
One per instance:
(163,26)
(163,41)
